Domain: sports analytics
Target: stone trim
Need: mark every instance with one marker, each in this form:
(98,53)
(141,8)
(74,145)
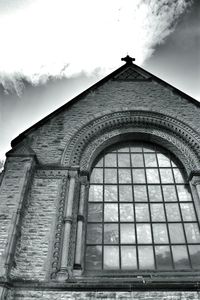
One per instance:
(55,173)
(105,130)
(15,227)
(172,143)
(80,223)
(50,172)
(182,136)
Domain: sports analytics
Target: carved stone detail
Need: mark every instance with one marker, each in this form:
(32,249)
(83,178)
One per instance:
(59,230)
(55,173)
(72,241)
(183,152)
(88,142)
(126,119)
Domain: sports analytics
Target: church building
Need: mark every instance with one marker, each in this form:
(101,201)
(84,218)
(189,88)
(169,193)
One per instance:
(101,198)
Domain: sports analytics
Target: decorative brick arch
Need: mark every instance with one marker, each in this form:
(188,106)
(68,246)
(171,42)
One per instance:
(175,135)
(101,132)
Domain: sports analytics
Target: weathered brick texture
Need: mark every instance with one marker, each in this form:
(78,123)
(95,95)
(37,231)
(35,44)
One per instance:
(50,140)
(56,295)
(34,245)
(11,191)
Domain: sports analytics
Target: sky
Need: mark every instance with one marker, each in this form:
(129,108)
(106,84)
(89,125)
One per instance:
(51,50)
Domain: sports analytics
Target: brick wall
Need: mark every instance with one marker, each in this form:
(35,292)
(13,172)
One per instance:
(58,295)
(11,193)
(50,140)
(34,246)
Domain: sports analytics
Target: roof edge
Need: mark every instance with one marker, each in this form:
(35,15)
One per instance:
(23,135)
(173,88)
(72,101)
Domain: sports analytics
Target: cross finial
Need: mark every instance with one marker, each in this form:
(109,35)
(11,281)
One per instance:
(128,59)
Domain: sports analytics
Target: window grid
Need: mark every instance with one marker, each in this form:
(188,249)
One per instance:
(167,225)
(119,205)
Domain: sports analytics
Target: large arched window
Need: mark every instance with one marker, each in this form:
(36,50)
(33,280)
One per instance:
(140,212)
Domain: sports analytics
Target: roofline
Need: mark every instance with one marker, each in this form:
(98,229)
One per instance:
(22,135)
(173,88)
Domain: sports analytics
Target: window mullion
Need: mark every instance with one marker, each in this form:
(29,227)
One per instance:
(186,244)
(167,224)
(118,203)
(149,206)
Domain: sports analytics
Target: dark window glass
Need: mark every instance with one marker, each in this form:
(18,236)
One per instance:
(140,212)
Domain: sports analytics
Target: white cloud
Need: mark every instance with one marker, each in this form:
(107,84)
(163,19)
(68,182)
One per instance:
(64,37)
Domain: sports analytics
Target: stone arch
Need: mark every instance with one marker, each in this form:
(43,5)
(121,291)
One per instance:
(158,128)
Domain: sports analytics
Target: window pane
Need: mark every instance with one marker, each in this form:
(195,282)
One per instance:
(111,235)
(173,213)
(154,193)
(150,160)
(163,257)
(110,160)
(178,176)
(137,160)
(94,212)
(126,213)
(140,193)
(94,233)
(180,257)
(93,257)
(110,193)
(111,257)
(123,160)
(124,176)
(96,176)
(123,149)
(99,163)
(183,193)
(111,212)
(146,258)
(188,213)
(144,233)
(96,193)
(136,148)
(138,176)
(169,193)
(110,175)
(163,161)
(125,193)
(160,233)
(192,232)
(194,251)
(157,213)
(128,254)
(176,233)
(142,212)
(166,176)
(152,176)
(127,233)
(148,148)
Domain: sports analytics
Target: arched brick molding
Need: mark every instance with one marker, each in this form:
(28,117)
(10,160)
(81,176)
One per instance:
(175,135)
(103,131)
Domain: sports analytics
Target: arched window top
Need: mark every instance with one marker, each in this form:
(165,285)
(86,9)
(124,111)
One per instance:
(140,213)
(137,155)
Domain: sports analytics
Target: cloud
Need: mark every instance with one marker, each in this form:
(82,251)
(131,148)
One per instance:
(61,38)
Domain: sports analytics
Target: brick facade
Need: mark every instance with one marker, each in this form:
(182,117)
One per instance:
(34,187)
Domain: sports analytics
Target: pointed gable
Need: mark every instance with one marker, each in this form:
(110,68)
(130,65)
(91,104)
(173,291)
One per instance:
(128,86)
(130,73)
